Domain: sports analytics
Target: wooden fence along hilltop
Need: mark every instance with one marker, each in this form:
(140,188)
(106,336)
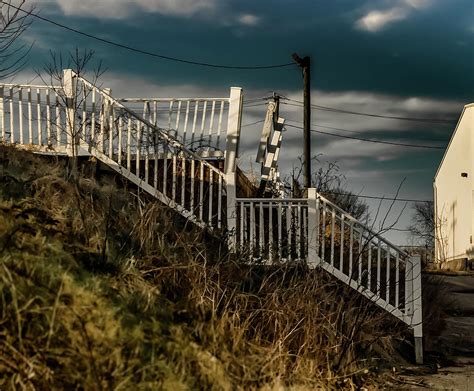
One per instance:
(183,152)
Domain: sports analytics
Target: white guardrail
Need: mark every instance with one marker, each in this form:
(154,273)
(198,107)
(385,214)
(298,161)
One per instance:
(316,231)
(79,118)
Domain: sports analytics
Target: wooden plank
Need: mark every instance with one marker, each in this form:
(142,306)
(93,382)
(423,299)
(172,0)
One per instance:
(266,131)
(379,256)
(2,114)
(193,169)
(120,141)
(261,236)
(48,118)
(12,117)
(342,246)
(270,232)
(280,214)
(219,125)
(129,143)
(203,124)
(38,115)
(146,112)
(20,114)
(111,131)
(193,131)
(183,180)
(30,118)
(333,232)
(369,265)
(397,280)
(211,123)
(219,202)
(359,257)
(186,117)
(243,218)
(351,247)
(211,180)
(387,282)
(201,190)
(138,150)
(173,179)
(93,108)
(272,150)
(58,122)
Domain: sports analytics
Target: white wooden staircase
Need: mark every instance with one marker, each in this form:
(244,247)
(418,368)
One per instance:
(172,149)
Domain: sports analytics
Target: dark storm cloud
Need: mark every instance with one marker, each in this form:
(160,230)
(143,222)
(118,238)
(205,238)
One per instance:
(398,57)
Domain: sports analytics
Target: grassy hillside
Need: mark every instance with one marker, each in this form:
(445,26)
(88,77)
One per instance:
(102,288)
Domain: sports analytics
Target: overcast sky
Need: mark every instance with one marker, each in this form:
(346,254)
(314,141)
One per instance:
(405,58)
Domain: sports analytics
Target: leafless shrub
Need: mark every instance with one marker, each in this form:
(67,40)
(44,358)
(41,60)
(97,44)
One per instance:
(14,21)
(161,310)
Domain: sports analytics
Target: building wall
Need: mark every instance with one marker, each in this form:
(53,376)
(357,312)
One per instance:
(454,193)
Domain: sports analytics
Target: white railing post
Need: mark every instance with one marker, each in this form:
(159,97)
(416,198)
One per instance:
(69,94)
(231,153)
(313,228)
(417,319)
(2,116)
(233,129)
(409,291)
(231,213)
(104,120)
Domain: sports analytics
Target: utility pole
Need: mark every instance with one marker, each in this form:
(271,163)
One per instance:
(305,64)
(276,99)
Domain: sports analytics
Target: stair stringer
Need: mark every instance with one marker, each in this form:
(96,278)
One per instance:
(373,297)
(145,186)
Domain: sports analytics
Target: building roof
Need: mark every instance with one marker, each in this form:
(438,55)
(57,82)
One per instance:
(468,106)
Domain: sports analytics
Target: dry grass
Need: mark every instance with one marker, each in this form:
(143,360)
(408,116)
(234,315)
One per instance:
(102,289)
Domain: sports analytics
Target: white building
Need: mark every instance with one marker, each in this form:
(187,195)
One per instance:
(454,197)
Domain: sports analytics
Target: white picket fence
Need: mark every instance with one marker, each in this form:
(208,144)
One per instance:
(173,149)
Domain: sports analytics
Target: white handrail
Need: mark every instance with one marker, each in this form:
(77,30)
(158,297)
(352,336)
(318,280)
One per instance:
(163,134)
(367,229)
(142,100)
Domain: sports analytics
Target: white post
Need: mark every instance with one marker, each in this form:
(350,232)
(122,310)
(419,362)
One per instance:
(230,165)
(266,131)
(313,228)
(417,321)
(230,180)
(2,114)
(69,93)
(105,120)
(409,290)
(233,129)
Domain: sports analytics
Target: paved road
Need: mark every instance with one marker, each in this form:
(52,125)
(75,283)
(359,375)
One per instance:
(456,340)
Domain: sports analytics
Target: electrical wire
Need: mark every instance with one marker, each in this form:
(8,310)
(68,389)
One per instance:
(252,123)
(370,140)
(152,54)
(359,132)
(378,197)
(336,110)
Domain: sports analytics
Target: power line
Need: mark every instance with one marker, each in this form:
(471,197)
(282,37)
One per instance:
(327,127)
(148,53)
(377,197)
(336,110)
(370,140)
(253,123)
(359,132)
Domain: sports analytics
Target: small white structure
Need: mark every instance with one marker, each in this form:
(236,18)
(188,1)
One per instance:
(454,197)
